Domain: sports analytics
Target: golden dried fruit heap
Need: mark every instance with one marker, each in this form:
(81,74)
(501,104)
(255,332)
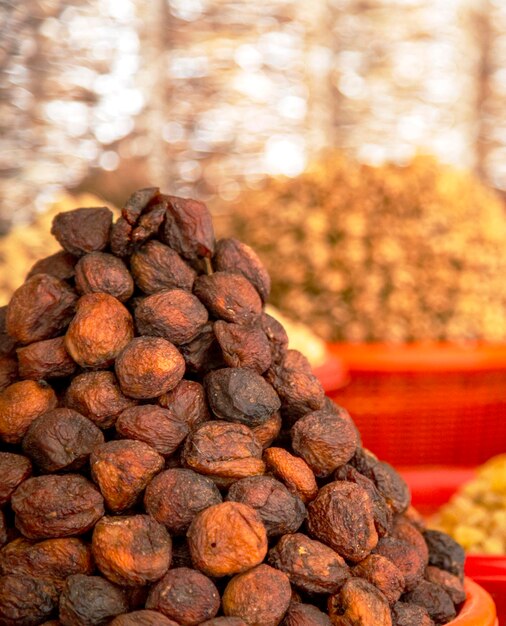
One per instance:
(166,459)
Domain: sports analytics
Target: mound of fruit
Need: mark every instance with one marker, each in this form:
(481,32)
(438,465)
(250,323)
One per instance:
(167,459)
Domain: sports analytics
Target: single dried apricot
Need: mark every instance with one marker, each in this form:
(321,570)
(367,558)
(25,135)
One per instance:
(14,469)
(155,267)
(102,272)
(228,296)
(294,472)
(89,600)
(46,359)
(83,230)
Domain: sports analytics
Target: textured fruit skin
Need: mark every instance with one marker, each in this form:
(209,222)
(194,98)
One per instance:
(145,617)
(25,600)
(102,272)
(83,230)
(188,227)
(90,600)
(359,604)
(227,539)
(45,359)
(156,267)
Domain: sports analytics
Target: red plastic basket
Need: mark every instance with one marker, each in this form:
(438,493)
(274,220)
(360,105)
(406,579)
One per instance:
(426,403)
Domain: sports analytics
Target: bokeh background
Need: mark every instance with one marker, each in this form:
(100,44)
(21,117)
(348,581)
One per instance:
(208,96)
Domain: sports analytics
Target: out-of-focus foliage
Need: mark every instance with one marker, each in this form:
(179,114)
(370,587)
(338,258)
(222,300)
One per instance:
(205,97)
(390,253)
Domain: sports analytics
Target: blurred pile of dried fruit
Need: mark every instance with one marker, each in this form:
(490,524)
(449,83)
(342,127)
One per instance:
(389,253)
(186,463)
(476,514)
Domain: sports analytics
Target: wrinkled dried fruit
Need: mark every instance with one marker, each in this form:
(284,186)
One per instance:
(267,432)
(227,539)
(83,230)
(295,473)
(299,390)
(121,238)
(383,574)
(90,601)
(102,272)
(25,601)
(453,586)
(186,596)
(7,343)
(228,296)
(188,227)
(160,428)
(143,617)
(40,309)
(359,604)
(20,404)
(187,401)
(260,596)
(131,551)
(4,533)
(224,451)
(156,267)
(240,395)
(310,565)
(390,484)
(325,440)
(244,346)
(61,439)
(341,516)
(203,353)
(100,330)
(233,256)
(122,469)
(149,367)
(8,371)
(53,559)
(138,202)
(56,506)
(383,516)
(224,621)
(175,496)
(445,552)
(45,359)
(14,469)
(280,511)
(61,265)
(175,315)
(406,556)
(97,396)
(276,335)
(300,614)
(404,614)
(434,599)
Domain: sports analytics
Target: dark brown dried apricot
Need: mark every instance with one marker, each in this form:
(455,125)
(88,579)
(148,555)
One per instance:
(97,396)
(156,267)
(234,256)
(175,496)
(14,469)
(102,272)
(7,343)
(267,432)
(53,559)
(40,309)
(187,401)
(61,265)
(240,395)
(122,469)
(244,346)
(158,427)
(224,451)
(224,621)
(175,315)
(280,511)
(188,227)
(230,297)
(390,484)
(90,600)
(453,586)
(149,367)
(310,565)
(445,552)
(359,604)
(383,574)
(325,440)
(276,335)
(45,359)
(341,516)
(203,353)
(138,202)
(100,330)
(406,556)
(294,472)
(56,506)
(260,596)
(121,238)
(8,371)
(20,404)
(227,539)
(434,599)
(133,550)
(300,614)
(4,532)
(143,617)
(404,614)
(26,601)
(83,230)
(61,439)
(186,596)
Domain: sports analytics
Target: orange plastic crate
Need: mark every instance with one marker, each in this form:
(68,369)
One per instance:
(426,403)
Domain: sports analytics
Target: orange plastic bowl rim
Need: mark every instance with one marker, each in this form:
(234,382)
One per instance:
(479,608)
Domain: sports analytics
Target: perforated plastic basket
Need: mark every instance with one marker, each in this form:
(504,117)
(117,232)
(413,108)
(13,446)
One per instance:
(426,403)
